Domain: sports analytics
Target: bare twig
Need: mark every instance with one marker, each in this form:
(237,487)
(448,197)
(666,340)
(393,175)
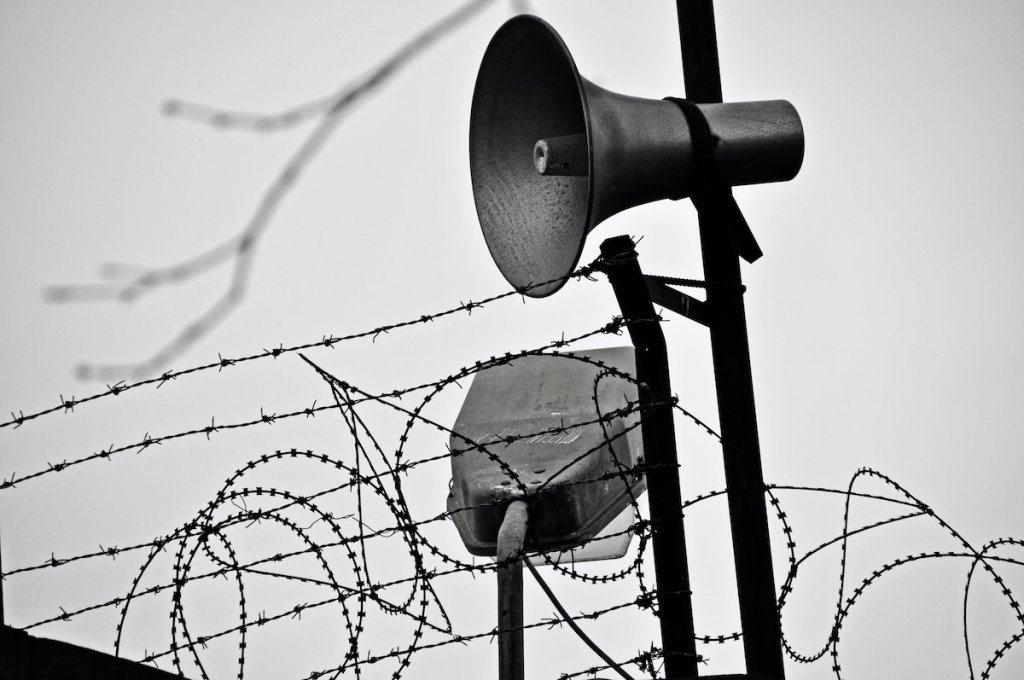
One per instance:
(240,249)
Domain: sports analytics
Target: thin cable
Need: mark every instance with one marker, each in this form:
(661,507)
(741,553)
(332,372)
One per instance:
(572,624)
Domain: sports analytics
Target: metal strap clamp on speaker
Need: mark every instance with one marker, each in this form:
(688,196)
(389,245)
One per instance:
(712,195)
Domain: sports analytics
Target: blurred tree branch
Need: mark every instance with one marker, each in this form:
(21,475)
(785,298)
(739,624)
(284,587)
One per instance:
(126,283)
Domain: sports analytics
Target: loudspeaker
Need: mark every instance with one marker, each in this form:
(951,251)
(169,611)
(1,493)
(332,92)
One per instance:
(552,155)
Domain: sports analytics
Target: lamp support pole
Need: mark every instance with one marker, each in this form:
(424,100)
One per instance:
(726,319)
(511,538)
(675,611)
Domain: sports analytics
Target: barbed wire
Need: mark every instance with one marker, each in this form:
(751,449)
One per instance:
(407,528)
(68,405)
(373,590)
(845,603)
(240,249)
(147,441)
(373,471)
(978,557)
(204,530)
(208,538)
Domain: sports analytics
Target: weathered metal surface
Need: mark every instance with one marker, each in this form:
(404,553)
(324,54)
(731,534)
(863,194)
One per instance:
(616,152)
(677,301)
(566,155)
(511,537)
(663,495)
(539,417)
(759,614)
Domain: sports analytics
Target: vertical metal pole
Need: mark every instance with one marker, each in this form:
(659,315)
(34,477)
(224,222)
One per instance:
(752,553)
(755,581)
(511,536)
(668,538)
(701,75)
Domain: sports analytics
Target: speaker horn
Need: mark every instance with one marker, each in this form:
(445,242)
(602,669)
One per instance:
(553,155)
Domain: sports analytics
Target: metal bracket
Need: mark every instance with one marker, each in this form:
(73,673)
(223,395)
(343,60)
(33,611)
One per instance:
(677,301)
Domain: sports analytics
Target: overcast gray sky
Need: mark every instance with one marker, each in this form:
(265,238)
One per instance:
(885,318)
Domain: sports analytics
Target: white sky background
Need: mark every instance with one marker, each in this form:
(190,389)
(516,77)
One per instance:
(884,319)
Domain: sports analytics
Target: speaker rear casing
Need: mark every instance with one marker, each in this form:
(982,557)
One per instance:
(637,151)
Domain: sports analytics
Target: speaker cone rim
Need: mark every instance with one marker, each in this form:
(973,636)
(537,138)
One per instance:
(536,228)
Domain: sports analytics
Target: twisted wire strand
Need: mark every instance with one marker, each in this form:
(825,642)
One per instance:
(205,547)
(271,418)
(68,405)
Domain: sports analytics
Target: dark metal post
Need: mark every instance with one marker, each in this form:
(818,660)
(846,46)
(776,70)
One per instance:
(701,74)
(755,581)
(663,495)
(511,536)
(752,553)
